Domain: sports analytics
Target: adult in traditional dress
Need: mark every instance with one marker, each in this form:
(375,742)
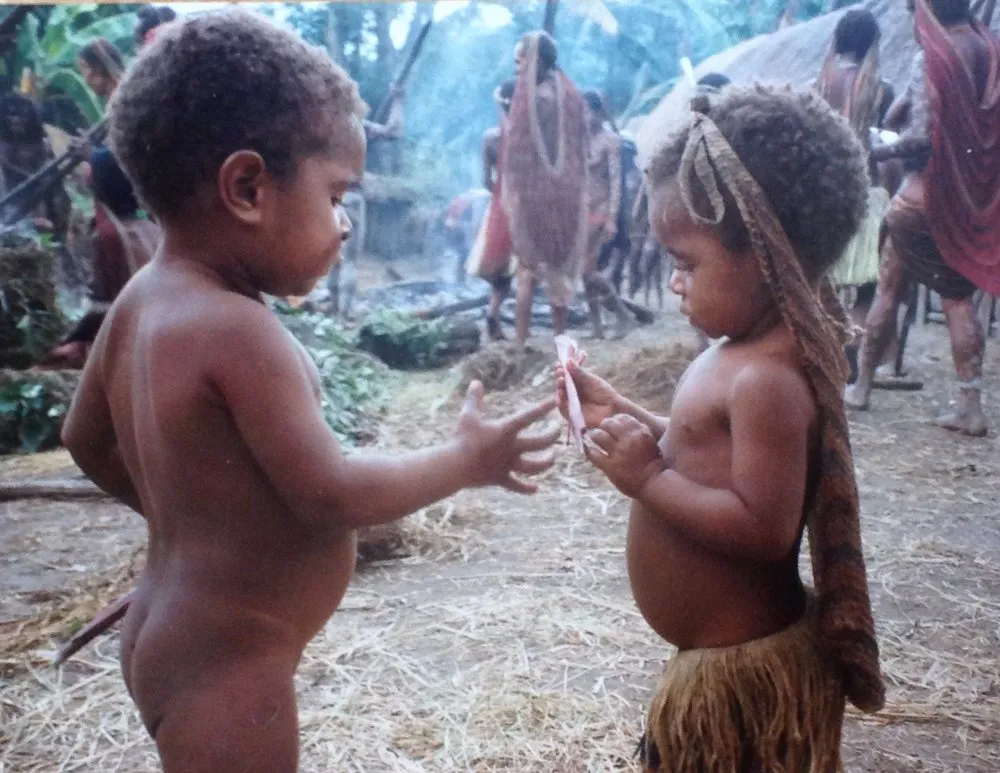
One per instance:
(604,193)
(944,224)
(849,81)
(543,180)
(491,257)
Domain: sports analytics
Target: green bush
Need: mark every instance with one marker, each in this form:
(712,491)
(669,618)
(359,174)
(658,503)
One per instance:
(354,385)
(32,409)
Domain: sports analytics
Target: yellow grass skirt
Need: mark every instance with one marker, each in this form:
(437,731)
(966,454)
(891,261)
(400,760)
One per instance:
(769,706)
(859,264)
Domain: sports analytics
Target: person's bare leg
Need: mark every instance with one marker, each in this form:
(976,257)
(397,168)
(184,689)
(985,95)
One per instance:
(857,315)
(968,344)
(525,295)
(594,308)
(618,270)
(635,268)
(560,318)
(243,720)
(878,327)
(499,289)
(600,291)
(657,277)
(592,283)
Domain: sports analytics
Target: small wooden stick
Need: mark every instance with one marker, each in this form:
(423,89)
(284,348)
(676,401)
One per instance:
(106,618)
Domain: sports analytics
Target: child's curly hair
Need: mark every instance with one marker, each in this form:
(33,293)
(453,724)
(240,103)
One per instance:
(216,84)
(803,156)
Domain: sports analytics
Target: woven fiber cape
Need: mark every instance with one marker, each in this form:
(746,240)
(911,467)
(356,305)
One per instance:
(844,615)
(544,169)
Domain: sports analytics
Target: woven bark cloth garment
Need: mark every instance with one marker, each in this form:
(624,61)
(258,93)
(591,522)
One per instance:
(912,240)
(774,704)
(852,90)
(844,616)
(544,172)
(963,175)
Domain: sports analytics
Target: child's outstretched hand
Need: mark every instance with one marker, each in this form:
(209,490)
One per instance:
(626,452)
(497,448)
(597,397)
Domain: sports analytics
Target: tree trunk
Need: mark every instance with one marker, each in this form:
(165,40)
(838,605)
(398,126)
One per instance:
(549,20)
(385,53)
(334,46)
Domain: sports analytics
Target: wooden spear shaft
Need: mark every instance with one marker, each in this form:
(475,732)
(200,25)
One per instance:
(382,112)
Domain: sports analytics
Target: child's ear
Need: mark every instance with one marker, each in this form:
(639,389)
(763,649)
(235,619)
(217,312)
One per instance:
(241,183)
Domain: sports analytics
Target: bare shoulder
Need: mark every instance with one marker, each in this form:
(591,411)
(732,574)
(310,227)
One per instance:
(228,333)
(246,334)
(775,387)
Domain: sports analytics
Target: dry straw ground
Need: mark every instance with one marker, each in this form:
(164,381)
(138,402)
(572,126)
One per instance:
(503,635)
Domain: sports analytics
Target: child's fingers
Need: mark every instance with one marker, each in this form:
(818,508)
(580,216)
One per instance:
(525,466)
(473,398)
(529,416)
(519,486)
(602,439)
(597,458)
(529,443)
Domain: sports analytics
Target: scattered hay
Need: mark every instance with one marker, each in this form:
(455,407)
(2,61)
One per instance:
(649,376)
(502,366)
(63,613)
(434,533)
(521,649)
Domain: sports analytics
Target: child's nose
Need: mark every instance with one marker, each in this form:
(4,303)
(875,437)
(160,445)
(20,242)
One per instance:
(676,283)
(343,224)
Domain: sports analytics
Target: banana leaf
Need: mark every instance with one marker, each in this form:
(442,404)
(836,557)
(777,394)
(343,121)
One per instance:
(118,29)
(70,83)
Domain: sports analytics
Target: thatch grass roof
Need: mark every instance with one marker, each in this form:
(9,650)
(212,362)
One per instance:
(791,55)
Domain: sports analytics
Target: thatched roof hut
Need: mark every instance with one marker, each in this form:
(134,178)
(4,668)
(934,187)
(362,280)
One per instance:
(791,55)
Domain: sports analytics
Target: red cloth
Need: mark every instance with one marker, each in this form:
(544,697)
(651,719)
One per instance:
(496,240)
(963,176)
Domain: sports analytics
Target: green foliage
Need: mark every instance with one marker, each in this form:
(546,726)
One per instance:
(354,386)
(49,42)
(71,83)
(425,342)
(30,320)
(32,413)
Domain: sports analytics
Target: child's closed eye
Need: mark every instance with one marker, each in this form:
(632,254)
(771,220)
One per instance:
(680,264)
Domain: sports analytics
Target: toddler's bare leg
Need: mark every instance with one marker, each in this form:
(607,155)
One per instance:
(243,720)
